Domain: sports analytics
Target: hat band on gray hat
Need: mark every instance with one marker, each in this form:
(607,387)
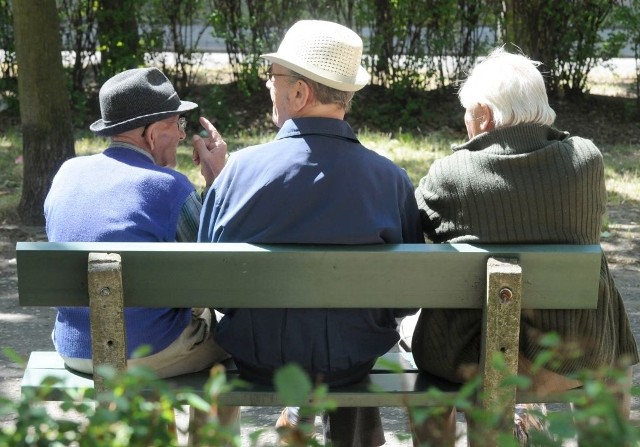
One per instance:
(170,105)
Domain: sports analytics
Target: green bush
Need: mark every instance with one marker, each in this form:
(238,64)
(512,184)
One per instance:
(140,410)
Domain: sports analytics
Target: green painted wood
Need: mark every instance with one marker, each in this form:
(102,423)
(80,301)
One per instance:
(382,388)
(48,364)
(401,361)
(245,275)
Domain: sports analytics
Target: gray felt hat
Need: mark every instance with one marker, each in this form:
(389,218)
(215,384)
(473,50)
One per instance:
(135,98)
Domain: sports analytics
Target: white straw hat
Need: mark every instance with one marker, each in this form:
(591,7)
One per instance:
(324,52)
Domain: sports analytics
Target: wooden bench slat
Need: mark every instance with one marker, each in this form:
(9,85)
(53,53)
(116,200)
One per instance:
(44,364)
(389,386)
(52,360)
(431,275)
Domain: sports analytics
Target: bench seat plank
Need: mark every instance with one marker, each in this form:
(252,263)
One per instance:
(383,388)
(390,388)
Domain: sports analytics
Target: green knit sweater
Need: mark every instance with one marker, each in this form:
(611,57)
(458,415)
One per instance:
(521,184)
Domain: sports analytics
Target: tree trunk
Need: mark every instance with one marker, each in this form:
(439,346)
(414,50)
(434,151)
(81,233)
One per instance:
(47,132)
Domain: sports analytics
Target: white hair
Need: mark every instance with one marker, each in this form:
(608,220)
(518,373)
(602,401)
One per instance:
(511,86)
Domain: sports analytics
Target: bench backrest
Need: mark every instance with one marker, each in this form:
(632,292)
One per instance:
(500,280)
(246,275)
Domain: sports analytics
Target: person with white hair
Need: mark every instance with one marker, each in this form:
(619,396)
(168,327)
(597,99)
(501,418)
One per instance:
(518,180)
(314,184)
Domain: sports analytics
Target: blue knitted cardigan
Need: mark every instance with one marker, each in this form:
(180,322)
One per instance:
(119,195)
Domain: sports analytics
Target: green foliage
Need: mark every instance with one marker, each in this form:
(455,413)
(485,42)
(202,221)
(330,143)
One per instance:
(594,418)
(122,417)
(10,175)
(232,111)
(117,36)
(81,105)
(625,21)
(292,386)
(409,45)
(140,410)
(171,36)
(79,37)
(250,29)
(296,390)
(8,72)
(567,37)
(413,45)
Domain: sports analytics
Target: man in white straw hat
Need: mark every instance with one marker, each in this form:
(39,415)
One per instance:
(130,192)
(314,184)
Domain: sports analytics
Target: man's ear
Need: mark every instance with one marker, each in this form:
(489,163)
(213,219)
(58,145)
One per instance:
(149,142)
(302,95)
(149,139)
(487,123)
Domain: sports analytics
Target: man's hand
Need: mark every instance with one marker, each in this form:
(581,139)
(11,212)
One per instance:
(210,153)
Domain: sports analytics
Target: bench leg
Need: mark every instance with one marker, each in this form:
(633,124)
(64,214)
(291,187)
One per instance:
(622,390)
(106,306)
(500,336)
(437,430)
(228,417)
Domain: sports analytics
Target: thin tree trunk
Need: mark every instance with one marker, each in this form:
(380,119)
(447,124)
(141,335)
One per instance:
(47,132)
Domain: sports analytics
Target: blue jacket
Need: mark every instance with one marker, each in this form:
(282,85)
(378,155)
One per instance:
(315,184)
(119,195)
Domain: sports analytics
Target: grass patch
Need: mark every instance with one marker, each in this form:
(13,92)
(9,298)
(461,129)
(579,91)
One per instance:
(413,153)
(10,176)
(622,173)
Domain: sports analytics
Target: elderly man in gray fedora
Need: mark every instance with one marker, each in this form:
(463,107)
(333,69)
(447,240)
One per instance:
(130,192)
(314,184)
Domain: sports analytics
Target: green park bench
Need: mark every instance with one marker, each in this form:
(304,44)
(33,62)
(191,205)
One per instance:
(500,279)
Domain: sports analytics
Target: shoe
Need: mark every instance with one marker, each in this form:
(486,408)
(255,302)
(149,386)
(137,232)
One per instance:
(528,417)
(287,427)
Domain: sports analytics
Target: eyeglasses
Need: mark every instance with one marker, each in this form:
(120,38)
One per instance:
(270,76)
(182,125)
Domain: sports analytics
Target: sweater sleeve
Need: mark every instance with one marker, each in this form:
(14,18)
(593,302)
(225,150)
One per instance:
(189,219)
(434,197)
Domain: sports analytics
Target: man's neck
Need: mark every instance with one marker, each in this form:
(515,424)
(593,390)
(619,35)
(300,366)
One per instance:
(129,145)
(321,111)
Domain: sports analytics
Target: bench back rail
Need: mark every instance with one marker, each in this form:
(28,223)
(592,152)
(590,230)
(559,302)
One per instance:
(245,275)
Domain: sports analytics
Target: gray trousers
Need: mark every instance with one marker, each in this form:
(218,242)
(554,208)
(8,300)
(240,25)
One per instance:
(347,426)
(353,427)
